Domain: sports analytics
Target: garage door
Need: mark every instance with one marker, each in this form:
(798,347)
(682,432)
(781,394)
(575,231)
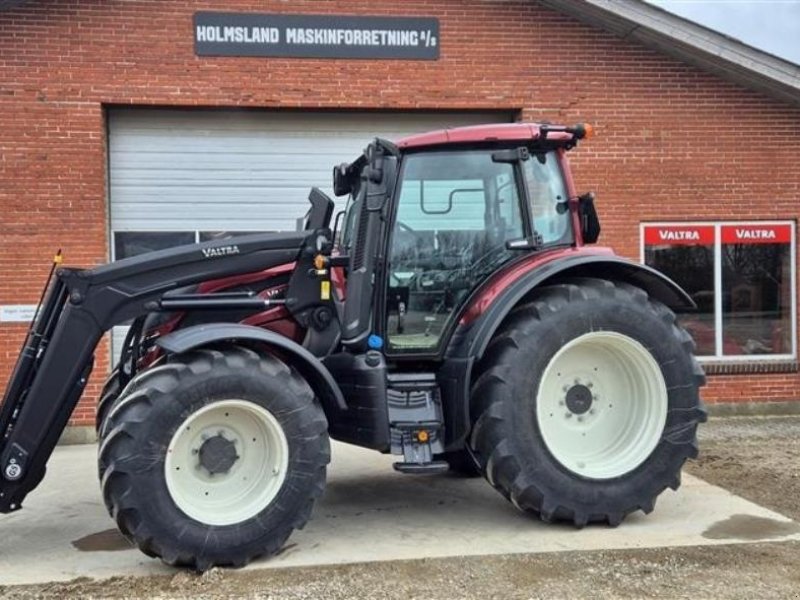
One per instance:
(177,176)
(182,176)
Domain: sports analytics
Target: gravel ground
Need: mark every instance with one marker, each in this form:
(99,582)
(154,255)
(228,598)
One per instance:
(758,458)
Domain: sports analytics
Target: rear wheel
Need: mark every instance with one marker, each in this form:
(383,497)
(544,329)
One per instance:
(587,404)
(214,457)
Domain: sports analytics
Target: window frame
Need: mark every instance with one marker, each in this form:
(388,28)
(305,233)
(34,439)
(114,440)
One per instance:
(718,356)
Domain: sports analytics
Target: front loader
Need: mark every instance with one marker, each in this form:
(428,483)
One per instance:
(459,316)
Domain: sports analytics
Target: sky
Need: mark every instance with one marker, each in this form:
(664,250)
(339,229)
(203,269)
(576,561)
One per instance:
(770,25)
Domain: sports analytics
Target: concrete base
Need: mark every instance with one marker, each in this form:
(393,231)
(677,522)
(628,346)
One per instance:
(368,513)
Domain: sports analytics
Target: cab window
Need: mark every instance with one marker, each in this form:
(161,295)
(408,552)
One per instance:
(455,212)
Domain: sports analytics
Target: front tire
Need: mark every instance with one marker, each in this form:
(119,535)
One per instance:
(587,403)
(108,396)
(214,457)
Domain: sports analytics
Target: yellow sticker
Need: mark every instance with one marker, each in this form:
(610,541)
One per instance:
(325,290)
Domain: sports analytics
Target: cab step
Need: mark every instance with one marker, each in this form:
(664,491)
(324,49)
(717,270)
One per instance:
(429,468)
(415,422)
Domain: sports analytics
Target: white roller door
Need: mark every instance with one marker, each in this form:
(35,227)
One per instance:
(180,176)
(238,171)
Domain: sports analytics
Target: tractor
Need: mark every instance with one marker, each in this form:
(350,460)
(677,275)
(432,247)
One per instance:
(457,314)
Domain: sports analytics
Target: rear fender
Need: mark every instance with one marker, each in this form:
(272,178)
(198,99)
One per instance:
(308,365)
(473,335)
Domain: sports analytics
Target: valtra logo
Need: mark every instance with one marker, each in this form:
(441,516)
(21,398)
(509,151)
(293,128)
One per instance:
(220,251)
(755,234)
(675,236)
(680,235)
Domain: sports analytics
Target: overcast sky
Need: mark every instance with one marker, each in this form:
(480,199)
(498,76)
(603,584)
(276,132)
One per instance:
(771,25)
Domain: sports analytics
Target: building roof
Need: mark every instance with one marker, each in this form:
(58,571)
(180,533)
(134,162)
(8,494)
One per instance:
(689,42)
(675,36)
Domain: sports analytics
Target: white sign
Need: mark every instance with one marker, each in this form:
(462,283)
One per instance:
(17,313)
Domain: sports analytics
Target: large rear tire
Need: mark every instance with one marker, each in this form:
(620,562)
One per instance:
(587,403)
(214,457)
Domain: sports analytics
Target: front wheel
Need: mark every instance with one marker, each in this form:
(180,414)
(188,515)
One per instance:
(587,404)
(108,396)
(214,457)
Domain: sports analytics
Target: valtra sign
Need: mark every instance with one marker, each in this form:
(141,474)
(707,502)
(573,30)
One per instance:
(315,36)
(756,233)
(679,235)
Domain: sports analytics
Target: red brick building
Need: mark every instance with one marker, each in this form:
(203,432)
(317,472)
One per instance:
(118,134)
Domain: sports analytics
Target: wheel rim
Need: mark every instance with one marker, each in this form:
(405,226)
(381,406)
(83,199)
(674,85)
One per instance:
(601,406)
(226,462)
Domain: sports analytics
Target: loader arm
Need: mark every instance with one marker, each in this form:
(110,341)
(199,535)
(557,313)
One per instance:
(80,305)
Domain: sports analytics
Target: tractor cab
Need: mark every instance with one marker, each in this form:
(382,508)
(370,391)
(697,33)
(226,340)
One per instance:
(452,208)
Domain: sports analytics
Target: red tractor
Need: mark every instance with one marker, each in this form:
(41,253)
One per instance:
(456,316)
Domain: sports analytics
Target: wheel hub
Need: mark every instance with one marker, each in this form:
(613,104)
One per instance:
(579,399)
(601,404)
(217,454)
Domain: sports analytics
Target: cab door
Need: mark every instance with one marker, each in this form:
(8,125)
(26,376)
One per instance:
(454,213)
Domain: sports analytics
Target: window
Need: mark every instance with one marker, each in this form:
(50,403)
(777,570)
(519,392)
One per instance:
(742,278)
(548,198)
(455,212)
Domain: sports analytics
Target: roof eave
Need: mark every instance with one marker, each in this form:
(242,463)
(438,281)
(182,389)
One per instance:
(689,42)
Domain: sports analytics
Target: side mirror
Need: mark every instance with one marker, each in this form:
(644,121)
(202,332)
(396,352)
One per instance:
(590,222)
(341,182)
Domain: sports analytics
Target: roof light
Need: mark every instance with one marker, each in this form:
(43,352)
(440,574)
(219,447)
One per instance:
(582,131)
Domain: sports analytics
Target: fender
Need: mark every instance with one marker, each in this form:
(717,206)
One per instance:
(490,306)
(308,365)
(473,336)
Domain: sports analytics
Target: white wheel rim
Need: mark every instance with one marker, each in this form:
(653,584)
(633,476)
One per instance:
(250,483)
(619,427)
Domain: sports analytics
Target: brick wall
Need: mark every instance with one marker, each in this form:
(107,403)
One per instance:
(673,142)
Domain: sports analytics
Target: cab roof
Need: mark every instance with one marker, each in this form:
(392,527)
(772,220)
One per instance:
(505,132)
